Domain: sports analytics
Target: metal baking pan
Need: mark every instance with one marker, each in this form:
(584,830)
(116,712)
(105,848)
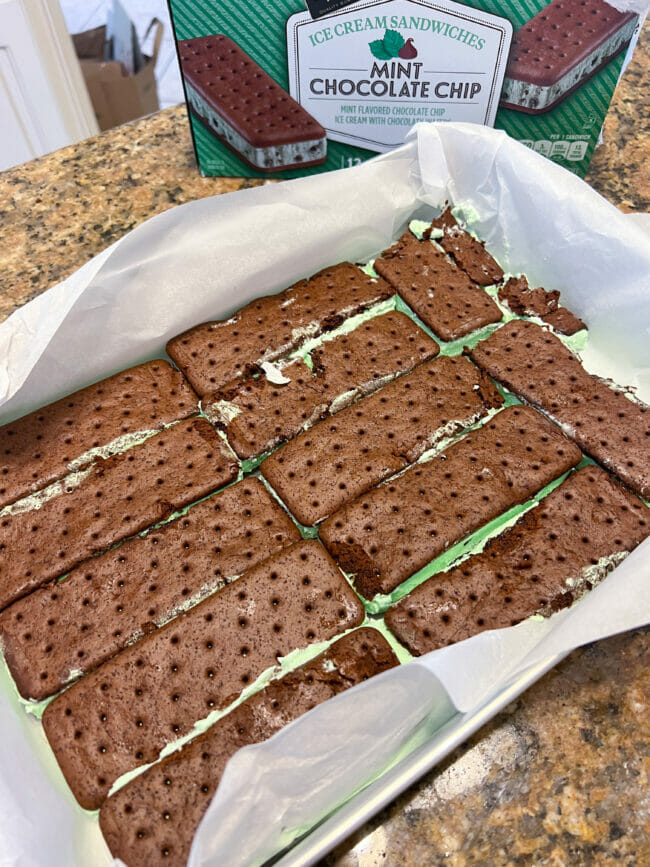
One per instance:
(351,816)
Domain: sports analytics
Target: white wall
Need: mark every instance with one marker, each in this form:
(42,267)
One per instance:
(44,104)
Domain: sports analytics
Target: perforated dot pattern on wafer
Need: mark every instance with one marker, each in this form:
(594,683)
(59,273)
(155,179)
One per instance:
(440,293)
(346,455)
(118,497)
(214,353)
(608,426)
(111,601)
(389,533)
(553,554)
(343,368)
(122,715)
(36,450)
(159,812)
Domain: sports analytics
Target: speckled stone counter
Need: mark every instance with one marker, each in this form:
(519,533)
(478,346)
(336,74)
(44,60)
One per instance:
(562,776)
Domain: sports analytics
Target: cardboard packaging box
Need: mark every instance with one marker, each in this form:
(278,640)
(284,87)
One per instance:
(296,87)
(118,94)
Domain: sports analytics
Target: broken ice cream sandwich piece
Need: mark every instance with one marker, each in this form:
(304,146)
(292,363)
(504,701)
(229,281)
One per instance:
(246,109)
(523,300)
(467,252)
(436,288)
(566,43)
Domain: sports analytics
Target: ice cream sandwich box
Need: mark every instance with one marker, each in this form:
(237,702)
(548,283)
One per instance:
(296,87)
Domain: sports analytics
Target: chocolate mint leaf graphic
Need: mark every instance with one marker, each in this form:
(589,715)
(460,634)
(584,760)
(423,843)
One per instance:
(393,43)
(378,50)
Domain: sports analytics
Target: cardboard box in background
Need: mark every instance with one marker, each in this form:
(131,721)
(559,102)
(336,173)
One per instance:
(328,54)
(117,97)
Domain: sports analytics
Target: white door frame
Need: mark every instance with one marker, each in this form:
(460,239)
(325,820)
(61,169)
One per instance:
(41,85)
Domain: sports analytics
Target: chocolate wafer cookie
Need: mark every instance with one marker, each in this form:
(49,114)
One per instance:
(524,301)
(606,424)
(45,445)
(566,43)
(57,634)
(396,529)
(155,816)
(214,353)
(49,533)
(442,295)
(469,254)
(563,321)
(337,460)
(550,557)
(246,109)
(259,413)
(121,715)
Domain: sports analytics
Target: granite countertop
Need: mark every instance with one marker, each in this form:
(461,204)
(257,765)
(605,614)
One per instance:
(562,775)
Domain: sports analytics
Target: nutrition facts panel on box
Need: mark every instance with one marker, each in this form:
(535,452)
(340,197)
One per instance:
(568,150)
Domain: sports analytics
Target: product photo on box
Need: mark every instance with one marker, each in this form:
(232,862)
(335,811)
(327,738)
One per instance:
(289,88)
